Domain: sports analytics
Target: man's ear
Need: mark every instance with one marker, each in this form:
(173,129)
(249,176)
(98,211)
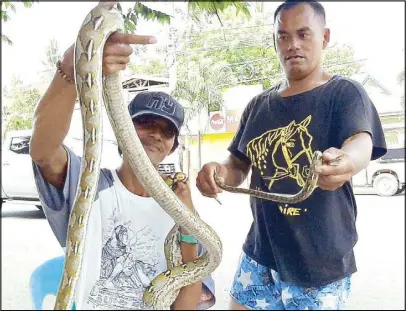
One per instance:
(326,37)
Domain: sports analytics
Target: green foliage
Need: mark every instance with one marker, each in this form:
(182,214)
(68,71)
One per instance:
(201,88)
(140,10)
(52,54)
(196,8)
(340,60)
(17,122)
(6,6)
(18,114)
(401,77)
(258,62)
(207,9)
(154,67)
(390,119)
(246,54)
(391,138)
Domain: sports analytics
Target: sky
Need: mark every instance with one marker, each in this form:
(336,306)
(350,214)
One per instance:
(376,31)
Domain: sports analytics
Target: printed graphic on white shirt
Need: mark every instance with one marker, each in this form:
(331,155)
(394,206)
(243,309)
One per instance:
(128,263)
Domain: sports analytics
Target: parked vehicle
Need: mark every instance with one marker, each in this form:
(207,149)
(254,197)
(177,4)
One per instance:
(384,176)
(17,178)
(18,184)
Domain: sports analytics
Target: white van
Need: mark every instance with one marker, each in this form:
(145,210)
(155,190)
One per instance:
(18,184)
(17,177)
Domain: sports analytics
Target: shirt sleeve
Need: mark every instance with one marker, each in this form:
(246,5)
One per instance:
(57,203)
(355,113)
(236,147)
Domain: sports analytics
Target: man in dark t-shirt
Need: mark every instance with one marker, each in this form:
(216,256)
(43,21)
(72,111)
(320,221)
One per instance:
(300,256)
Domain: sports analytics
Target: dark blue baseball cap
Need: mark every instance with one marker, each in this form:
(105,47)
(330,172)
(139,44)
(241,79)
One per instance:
(159,104)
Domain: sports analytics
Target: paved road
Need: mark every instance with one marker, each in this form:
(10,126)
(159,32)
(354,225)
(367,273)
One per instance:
(379,284)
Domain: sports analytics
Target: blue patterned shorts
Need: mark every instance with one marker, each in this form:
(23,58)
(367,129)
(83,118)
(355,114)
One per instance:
(259,288)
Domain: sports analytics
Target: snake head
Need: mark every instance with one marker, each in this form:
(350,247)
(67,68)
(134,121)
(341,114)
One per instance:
(180,177)
(174,179)
(169,181)
(317,158)
(148,297)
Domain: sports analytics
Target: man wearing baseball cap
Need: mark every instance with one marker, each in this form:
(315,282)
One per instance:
(127,228)
(151,106)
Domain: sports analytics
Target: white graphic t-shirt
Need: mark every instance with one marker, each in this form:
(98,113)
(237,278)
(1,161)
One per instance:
(124,246)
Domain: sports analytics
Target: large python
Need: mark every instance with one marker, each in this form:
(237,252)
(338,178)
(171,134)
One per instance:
(308,188)
(92,90)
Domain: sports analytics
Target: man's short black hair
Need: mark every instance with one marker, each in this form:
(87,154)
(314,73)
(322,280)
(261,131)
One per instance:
(317,7)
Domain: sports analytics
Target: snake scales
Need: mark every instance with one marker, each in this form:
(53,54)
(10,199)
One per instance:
(303,194)
(92,89)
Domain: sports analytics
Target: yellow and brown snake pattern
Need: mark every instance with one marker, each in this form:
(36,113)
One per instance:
(308,188)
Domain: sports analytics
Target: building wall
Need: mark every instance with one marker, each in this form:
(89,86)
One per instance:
(213,149)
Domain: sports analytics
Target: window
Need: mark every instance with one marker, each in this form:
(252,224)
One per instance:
(20,145)
(394,154)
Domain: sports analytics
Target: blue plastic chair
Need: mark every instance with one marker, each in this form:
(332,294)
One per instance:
(45,281)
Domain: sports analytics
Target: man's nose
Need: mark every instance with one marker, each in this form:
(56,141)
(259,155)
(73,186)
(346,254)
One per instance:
(157,133)
(294,44)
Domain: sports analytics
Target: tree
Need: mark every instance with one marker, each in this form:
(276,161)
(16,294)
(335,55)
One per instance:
(6,6)
(209,8)
(253,59)
(340,59)
(153,67)
(131,17)
(201,89)
(195,8)
(239,55)
(201,85)
(246,48)
(200,77)
(242,52)
(52,55)
(17,115)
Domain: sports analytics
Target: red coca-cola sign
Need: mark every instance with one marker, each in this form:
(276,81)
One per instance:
(217,121)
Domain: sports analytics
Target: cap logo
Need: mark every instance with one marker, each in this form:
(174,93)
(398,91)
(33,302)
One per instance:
(163,104)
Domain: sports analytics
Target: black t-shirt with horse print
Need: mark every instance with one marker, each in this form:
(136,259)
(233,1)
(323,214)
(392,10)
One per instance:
(309,243)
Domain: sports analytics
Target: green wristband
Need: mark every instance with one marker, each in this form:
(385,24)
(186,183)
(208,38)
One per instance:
(187,238)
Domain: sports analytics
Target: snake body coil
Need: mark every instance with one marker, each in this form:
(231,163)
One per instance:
(92,89)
